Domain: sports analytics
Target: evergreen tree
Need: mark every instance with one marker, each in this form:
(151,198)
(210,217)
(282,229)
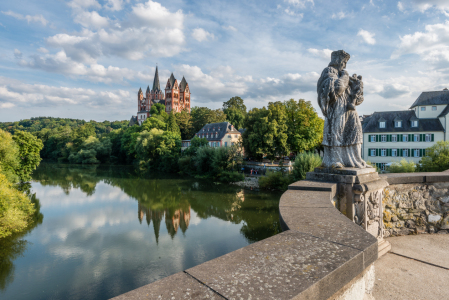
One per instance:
(172,126)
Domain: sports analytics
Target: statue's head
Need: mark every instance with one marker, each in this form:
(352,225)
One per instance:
(339,59)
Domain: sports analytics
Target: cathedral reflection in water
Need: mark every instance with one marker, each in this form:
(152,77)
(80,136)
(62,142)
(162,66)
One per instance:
(174,219)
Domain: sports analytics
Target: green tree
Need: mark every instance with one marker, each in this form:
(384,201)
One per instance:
(203,115)
(172,126)
(29,154)
(158,109)
(235,116)
(403,166)
(436,158)
(305,128)
(9,157)
(235,102)
(184,121)
(154,122)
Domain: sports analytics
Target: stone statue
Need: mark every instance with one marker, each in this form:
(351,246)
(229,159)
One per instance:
(338,95)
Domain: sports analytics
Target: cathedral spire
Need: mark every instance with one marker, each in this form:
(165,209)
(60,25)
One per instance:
(156,85)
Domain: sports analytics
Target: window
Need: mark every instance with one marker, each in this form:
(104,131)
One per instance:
(229,136)
(232,144)
(383,152)
(372,138)
(226,144)
(428,137)
(405,152)
(373,152)
(216,135)
(416,137)
(423,108)
(383,138)
(394,152)
(381,124)
(382,166)
(434,108)
(398,124)
(416,152)
(236,136)
(414,123)
(405,137)
(394,138)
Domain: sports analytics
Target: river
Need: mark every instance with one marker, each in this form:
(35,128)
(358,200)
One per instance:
(105,230)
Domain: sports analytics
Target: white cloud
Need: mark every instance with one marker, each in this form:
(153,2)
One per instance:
(148,30)
(367,36)
(431,45)
(91,20)
(338,16)
(83,4)
(17,53)
(200,35)
(42,50)
(324,54)
(299,3)
(35,18)
(401,6)
(232,28)
(423,5)
(114,5)
(18,93)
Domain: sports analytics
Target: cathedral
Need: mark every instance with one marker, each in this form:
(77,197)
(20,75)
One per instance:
(175,97)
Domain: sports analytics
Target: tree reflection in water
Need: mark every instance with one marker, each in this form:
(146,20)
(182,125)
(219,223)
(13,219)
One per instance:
(171,197)
(14,246)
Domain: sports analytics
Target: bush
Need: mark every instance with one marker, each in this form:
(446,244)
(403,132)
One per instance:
(9,157)
(275,180)
(436,158)
(15,208)
(231,176)
(373,165)
(403,166)
(305,162)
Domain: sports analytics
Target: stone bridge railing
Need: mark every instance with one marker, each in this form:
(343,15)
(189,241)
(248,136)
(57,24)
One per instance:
(320,255)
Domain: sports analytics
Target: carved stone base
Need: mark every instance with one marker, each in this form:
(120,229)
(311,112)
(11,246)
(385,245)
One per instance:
(359,197)
(383,247)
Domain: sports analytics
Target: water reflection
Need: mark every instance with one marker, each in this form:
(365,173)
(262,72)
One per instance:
(92,246)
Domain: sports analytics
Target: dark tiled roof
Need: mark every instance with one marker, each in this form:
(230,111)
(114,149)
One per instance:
(222,129)
(183,84)
(132,121)
(148,90)
(172,80)
(372,124)
(444,112)
(432,98)
(242,130)
(156,85)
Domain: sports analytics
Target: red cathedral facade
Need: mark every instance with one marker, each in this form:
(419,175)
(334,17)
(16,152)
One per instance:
(176,98)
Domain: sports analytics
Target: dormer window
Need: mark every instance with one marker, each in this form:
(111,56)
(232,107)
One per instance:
(423,108)
(414,123)
(397,124)
(382,124)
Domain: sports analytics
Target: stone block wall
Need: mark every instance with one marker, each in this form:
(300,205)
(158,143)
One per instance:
(413,208)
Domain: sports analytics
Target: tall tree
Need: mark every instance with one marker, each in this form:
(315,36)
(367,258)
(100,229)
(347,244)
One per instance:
(305,127)
(29,158)
(172,126)
(235,102)
(203,115)
(235,116)
(184,121)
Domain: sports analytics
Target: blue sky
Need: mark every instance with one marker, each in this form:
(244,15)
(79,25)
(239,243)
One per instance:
(86,59)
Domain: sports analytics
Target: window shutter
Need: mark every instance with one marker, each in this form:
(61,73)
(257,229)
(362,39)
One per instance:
(420,152)
(421,137)
(410,137)
(377,152)
(399,138)
(432,137)
(369,152)
(377,137)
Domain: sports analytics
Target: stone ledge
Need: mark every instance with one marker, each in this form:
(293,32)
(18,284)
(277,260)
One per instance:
(405,178)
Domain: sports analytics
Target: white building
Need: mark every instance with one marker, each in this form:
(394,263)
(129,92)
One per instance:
(390,136)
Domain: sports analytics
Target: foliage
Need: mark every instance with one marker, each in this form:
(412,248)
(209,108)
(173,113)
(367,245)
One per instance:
(29,158)
(203,115)
(235,117)
(373,165)
(172,126)
(9,156)
(305,162)
(15,208)
(403,166)
(274,180)
(305,128)
(266,132)
(158,109)
(184,121)
(235,102)
(436,158)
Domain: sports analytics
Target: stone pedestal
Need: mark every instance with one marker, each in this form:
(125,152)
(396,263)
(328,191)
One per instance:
(359,197)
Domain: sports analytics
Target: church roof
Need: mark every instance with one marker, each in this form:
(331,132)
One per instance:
(148,89)
(406,116)
(172,80)
(183,84)
(432,98)
(221,129)
(140,91)
(156,85)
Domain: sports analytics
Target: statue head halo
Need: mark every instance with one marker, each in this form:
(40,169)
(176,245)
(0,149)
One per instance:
(339,59)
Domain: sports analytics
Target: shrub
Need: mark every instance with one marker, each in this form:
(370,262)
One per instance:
(9,156)
(275,180)
(15,208)
(403,166)
(436,158)
(305,162)
(373,165)
(230,176)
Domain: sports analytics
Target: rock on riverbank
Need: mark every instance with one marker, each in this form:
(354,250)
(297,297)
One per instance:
(249,182)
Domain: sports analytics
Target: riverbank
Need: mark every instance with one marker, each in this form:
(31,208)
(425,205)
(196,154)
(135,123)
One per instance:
(248,182)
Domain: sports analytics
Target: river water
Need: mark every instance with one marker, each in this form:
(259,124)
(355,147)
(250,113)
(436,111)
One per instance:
(105,230)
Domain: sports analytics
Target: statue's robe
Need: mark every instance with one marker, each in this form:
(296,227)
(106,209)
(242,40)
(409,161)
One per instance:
(342,134)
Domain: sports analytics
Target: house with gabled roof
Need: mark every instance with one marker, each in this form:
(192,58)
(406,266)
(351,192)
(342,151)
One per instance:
(222,134)
(390,136)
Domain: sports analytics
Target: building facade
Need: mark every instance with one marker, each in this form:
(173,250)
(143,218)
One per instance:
(176,97)
(393,135)
(221,134)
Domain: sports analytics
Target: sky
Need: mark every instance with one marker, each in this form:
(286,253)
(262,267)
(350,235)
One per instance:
(86,59)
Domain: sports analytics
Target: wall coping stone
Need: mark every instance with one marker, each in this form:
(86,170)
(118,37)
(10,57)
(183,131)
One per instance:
(406,178)
(319,253)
